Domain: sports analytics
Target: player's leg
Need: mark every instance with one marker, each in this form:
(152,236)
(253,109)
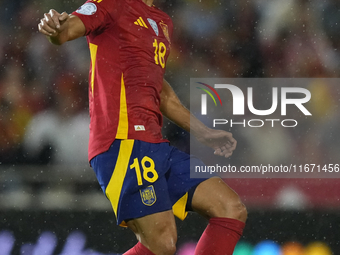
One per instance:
(156,233)
(209,197)
(132,175)
(226,213)
(214,198)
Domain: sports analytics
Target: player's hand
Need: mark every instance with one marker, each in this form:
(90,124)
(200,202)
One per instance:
(52,23)
(221,141)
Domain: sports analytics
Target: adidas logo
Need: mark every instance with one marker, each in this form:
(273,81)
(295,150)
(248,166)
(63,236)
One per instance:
(139,128)
(140,22)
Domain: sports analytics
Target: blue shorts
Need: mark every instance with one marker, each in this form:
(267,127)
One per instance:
(141,178)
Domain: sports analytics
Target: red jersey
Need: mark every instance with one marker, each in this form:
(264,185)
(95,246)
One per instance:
(129,43)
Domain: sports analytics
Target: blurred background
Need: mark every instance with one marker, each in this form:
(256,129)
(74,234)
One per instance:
(50,202)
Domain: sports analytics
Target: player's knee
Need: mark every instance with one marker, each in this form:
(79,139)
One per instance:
(232,208)
(166,242)
(238,211)
(168,247)
(162,240)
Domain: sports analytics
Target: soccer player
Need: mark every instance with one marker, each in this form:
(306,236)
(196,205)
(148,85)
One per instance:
(146,180)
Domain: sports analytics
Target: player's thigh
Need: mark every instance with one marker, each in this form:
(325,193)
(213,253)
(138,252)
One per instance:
(132,176)
(156,231)
(214,198)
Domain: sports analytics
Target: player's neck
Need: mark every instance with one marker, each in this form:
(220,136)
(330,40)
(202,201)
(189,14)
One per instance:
(148,2)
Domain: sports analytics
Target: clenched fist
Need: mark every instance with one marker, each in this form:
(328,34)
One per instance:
(53,23)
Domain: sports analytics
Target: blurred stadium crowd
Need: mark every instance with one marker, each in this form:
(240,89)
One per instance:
(43,88)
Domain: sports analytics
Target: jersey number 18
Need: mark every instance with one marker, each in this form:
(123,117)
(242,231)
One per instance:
(160,51)
(149,171)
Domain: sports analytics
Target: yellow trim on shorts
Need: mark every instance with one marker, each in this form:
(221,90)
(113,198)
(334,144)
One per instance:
(115,185)
(179,208)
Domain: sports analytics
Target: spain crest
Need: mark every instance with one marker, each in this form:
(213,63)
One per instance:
(165,30)
(148,195)
(153,25)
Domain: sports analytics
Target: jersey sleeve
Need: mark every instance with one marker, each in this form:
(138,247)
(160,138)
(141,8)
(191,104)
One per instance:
(97,14)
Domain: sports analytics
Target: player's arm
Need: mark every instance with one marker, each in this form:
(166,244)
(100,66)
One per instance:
(221,141)
(61,27)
